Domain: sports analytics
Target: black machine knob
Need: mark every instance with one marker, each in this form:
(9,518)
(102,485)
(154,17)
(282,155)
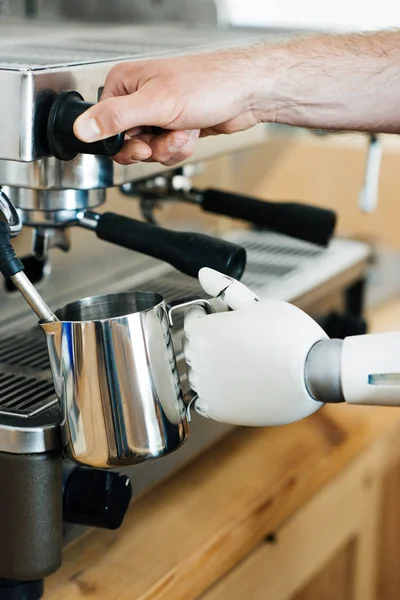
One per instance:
(11,589)
(96,498)
(63,143)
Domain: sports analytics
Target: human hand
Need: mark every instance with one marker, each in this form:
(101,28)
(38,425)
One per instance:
(165,105)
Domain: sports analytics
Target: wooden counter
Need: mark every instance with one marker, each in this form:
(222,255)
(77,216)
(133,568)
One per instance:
(291,513)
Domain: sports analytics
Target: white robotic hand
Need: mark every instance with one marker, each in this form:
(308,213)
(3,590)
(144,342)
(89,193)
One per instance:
(247,365)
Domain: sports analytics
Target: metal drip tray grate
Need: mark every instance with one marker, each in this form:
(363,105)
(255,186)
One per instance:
(25,396)
(25,350)
(269,270)
(26,388)
(274,258)
(278,246)
(173,286)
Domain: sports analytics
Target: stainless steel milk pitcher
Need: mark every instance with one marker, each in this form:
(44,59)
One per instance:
(115,374)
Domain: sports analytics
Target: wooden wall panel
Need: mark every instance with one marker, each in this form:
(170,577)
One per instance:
(389,555)
(335,581)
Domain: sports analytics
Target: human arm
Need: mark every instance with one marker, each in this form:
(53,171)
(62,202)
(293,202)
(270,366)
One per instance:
(339,82)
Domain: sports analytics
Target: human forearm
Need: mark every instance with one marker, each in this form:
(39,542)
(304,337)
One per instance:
(330,82)
(338,82)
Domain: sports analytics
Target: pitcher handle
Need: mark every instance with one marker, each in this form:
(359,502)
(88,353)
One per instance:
(191,397)
(175,305)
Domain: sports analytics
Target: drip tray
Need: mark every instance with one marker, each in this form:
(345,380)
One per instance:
(27,350)
(25,396)
(26,387)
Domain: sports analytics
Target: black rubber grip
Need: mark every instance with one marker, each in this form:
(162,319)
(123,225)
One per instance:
(63,143)
(308,223)
(187,252)
(9,263)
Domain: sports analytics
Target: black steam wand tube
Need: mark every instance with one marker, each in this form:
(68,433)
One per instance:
(11,267)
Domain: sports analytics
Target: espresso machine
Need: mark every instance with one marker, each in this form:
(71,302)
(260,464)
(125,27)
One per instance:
(58,187)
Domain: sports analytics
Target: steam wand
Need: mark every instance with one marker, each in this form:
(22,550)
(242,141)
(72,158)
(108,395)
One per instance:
(11,267)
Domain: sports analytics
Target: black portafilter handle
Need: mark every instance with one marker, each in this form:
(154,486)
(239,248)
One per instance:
(187,252)
(63,143)
(309,223)
(12,589)
(96,497)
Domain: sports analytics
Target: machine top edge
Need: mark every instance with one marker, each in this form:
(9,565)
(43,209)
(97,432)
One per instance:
(33,48)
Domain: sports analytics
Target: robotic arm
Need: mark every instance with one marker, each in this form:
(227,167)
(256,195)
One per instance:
(266,362)
(363,369)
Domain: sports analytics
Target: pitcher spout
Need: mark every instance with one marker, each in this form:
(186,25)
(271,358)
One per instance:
(53,334)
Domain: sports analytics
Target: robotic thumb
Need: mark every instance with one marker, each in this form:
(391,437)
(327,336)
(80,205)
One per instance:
(233,293)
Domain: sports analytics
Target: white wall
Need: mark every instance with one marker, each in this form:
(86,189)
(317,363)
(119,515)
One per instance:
(324,14)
